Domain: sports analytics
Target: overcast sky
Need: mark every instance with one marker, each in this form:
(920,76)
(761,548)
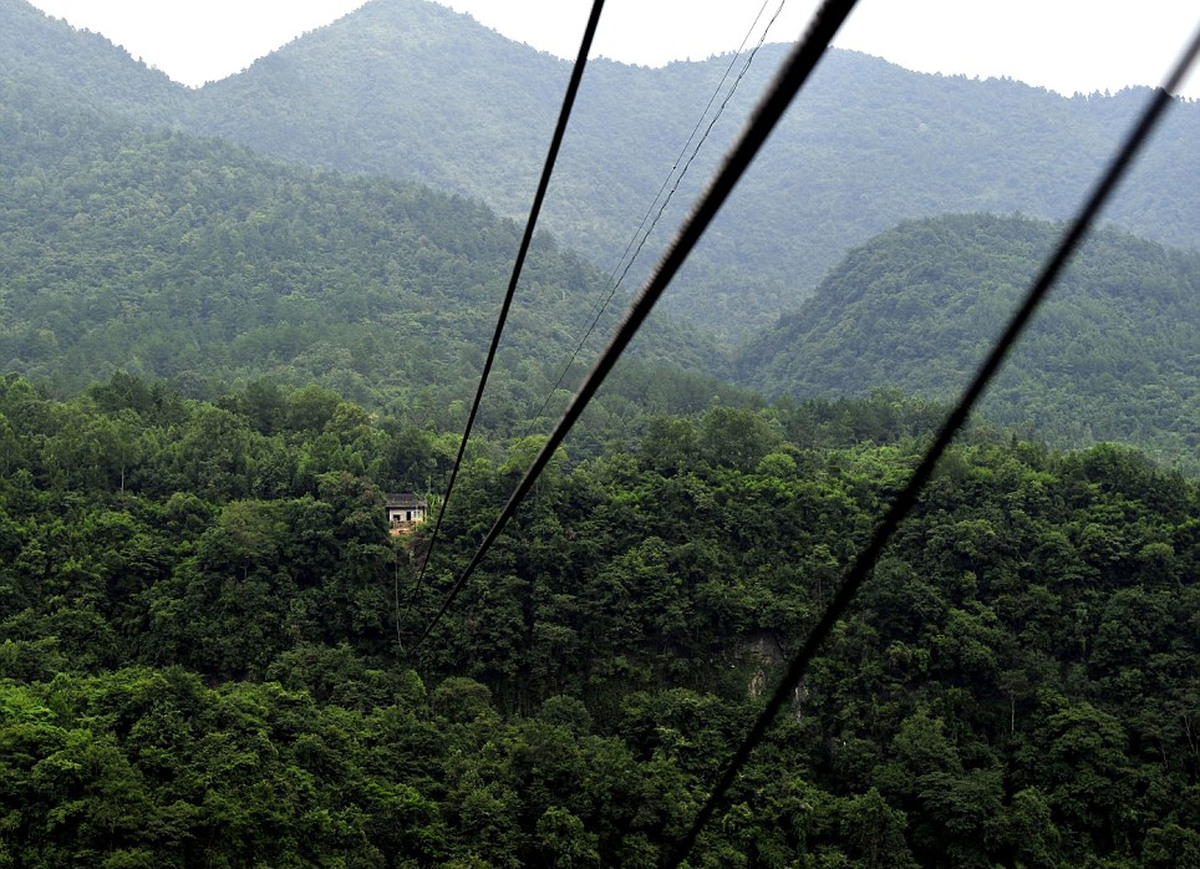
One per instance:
(1066,45)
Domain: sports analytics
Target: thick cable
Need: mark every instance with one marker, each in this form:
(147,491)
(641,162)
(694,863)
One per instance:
(795,71)
(865,562)
(547,170)
(639,239)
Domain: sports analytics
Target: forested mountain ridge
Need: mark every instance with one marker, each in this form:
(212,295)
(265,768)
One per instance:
(1114,353)
(80,66)
(171,256)
(412,90)
(407,88)
(199,667)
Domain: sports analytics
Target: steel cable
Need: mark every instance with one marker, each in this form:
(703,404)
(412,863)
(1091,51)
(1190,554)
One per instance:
(639,239)
(534,211)
(793,74)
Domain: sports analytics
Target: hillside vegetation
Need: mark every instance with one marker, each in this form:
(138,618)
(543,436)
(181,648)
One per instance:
(200,664)
(80,66)
(1114,353)
(866,145)
(411,90)
(170,256)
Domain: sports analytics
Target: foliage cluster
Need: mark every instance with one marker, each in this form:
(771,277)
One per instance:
(199,604)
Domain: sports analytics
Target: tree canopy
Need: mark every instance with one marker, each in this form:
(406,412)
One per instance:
(204,621)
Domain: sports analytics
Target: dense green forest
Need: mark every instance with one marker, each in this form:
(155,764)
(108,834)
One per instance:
(170,256)
(79,65)
(205,624)
(867,145)
(1113,355)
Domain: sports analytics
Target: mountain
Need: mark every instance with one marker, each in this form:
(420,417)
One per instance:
(373,268)
(411,90)
(1113,354)
(209,647)
(170,256)
(77,65)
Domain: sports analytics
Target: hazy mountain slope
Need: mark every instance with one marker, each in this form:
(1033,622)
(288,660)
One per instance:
(411,89)
(408,88)
(1114,353)
(172,256)
(80,65)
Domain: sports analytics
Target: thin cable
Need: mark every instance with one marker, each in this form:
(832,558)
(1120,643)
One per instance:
(684,150)
(712,123)
(795,71)
(552,155)
(396,597)
(670,195)
(904,502)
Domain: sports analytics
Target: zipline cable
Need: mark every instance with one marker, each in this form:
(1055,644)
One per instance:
(904,502)
(793,74)
(639,239)
(560,129)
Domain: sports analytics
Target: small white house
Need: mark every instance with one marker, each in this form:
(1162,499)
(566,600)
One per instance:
(405,511)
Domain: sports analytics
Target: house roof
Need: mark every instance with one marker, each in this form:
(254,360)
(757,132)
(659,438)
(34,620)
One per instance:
(405,500)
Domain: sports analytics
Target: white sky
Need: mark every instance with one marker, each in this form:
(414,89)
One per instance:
(1065,45)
